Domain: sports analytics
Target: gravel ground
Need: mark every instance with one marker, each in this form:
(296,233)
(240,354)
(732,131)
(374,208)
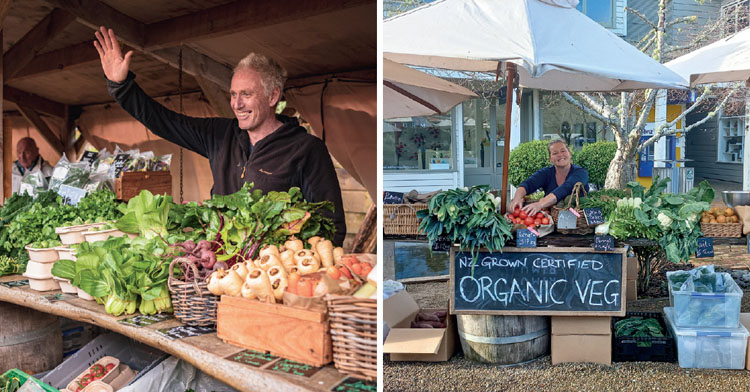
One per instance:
(460,374)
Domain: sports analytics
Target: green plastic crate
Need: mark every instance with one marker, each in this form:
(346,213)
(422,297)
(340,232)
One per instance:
(23,377)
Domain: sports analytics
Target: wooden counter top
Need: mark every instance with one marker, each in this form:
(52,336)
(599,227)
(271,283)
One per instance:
(206,352)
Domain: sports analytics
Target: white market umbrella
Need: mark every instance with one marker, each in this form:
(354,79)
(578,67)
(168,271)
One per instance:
(555,46)
(408,92)
(551,44)
(726,60)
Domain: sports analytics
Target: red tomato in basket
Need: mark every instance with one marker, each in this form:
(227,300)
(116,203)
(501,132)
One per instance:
(528,221)
(516,211)
(537,221)
(539,215)
(545,221)
(523,214)
(531,226)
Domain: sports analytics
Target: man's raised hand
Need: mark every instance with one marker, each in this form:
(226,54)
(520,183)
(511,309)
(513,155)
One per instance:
(115,66)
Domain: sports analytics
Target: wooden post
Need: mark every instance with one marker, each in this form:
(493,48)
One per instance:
(7,158)
(511,75)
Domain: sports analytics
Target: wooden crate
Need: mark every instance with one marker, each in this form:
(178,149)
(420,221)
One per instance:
(296,334)
(130,184)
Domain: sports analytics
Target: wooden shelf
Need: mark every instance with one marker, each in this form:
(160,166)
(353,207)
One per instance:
(206,352)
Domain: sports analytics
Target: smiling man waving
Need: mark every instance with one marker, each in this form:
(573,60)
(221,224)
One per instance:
(270,150)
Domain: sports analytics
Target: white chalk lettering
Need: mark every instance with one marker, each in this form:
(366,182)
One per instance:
(515,289)
(463,293)
(582,294)
(501,296)
(593,293)
(615,294)
(552,291)
(486,283)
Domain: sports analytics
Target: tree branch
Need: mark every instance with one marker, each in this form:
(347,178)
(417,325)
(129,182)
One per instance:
(640,15)
(586,109)
(684,19)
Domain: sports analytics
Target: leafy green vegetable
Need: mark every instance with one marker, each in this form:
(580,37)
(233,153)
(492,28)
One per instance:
(468,216)
(637,326)
(9,266)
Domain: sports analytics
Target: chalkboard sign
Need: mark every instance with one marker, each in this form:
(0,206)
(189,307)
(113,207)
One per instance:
(252,358)
(525,239)
(705,247)
(543,281)
(145,320)
(604,243)
(393,197)
(295,368)
(351,384)
(566,220)
(184,331)
(442,244)
(89,156)
(15,283)
(119,163)
(593,215)
(71,195)
(59,297)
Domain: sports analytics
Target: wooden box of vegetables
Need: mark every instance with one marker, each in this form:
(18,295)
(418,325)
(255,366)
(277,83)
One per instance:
(721,222)
(642,336)
(130,184)
(297,334)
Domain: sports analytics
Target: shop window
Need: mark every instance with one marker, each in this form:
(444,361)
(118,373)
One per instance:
(731,139)
(601,11)
(418,143)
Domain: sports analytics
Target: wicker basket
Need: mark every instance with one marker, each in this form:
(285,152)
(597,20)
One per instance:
(354,330)
(722,229)
(582,227)
(401,219)
(193,304)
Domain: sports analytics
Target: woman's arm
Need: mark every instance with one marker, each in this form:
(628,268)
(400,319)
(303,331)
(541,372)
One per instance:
(517,200)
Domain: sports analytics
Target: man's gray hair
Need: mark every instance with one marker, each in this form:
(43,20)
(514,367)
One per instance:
(272,74)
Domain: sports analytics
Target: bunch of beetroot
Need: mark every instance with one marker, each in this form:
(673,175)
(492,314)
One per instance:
(202,255)
(430,319)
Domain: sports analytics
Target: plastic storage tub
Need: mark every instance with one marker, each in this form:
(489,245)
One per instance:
(136,355)
(65,253)
(709,348)
(706,310)
(65,286)
(42,255)
(102,235)
(42,270)
(23,377)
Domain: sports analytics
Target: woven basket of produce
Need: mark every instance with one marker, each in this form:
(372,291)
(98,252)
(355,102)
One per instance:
(721,222)
(401,219)
(582,227)
(354,331)
(193,304)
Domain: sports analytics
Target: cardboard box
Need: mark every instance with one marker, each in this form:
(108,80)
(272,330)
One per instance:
(415,344)
(745,321)
(631,288)
(583,325)
(632,268)
(581,348)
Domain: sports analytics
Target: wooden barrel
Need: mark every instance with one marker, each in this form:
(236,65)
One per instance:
(503,340)
(29,340)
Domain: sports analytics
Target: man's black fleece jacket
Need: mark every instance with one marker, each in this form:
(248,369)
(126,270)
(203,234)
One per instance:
(286,158)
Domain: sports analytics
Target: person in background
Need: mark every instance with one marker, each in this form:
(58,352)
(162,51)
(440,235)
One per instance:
(557,180)
(29,161)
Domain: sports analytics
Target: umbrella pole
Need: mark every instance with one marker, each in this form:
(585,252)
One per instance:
(511,75)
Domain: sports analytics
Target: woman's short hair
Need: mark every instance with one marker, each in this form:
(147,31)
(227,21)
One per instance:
(272,75)
(553,142)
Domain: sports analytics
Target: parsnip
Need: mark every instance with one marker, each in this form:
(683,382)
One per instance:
(294,244)
(247,291)
(308,265)
(302,254)
(325,250)
(240,269)
(337,253)
(213,282)
(287,260)
(269,250)
(231,284)
(269,261)
(313,241)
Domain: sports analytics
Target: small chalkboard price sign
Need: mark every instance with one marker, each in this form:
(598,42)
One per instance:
(604,243)
(525,239)
(89,156)
(15,283)
(184,331)
(442,244)
(538,281)
(119,163)
(295,368)
(351,384)
(393,197)
(252,358)
(705,247)
(593,215)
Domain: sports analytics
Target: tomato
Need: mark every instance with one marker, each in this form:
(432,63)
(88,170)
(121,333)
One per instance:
(528,221)
(537,221)
(98,371)
(545,221)
(516,211)
(86,379)
(539,215)
(333,272)
(531,226)
(523,214)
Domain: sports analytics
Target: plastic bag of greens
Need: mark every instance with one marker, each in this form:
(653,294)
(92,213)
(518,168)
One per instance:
(33,184)
(59,173)
(139,162)
(78,174)
(97,181)
(161,163)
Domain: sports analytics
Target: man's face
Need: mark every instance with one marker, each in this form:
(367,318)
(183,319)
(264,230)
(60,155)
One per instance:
(27,153)
(248,99)
(559,155)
